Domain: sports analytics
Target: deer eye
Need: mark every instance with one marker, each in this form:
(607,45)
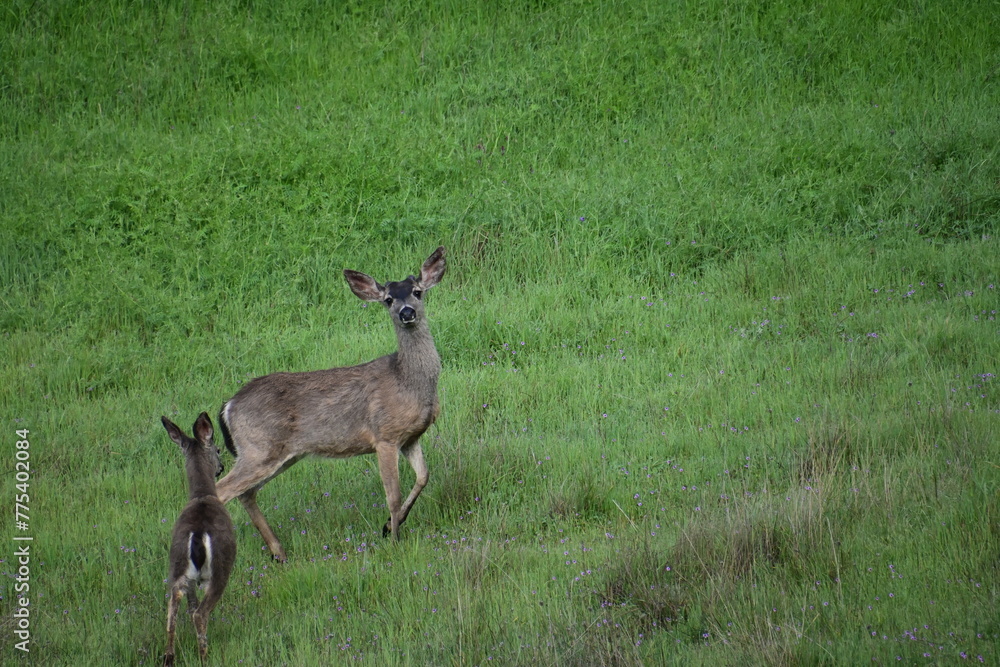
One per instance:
(388,300)
(418,293)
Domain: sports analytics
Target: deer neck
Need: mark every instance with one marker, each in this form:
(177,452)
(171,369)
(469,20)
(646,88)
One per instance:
(200,482)
(419,364)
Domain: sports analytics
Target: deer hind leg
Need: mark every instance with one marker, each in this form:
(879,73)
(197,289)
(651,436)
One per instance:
(388,468)
(244,481)
(249,500)
(176,593)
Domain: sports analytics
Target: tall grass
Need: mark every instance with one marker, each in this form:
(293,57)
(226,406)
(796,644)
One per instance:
(719,328)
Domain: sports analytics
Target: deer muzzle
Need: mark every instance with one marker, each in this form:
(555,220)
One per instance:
(407,315)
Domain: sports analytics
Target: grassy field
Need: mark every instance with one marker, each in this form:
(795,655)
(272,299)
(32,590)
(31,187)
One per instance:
(718,330)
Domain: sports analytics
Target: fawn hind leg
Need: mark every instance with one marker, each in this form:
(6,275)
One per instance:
(192,596)
(176,593)
(200,617)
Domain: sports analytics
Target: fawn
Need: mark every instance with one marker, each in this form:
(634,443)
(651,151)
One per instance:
(203,547)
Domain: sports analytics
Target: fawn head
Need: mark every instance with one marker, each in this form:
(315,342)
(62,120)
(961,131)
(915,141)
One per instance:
(200,449)
(403,299)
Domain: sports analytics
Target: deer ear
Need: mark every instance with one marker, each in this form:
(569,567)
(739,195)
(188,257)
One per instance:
(173,431)
(203,429)
(433,269)
(364,286)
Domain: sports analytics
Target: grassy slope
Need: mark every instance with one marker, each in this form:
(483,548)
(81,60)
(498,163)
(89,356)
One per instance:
(721,299)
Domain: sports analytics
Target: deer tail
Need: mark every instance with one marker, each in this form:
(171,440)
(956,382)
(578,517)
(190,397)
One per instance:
(224,427)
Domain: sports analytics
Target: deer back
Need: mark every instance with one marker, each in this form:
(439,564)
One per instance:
(335,412)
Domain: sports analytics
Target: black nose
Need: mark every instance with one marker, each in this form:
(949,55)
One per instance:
(407,315)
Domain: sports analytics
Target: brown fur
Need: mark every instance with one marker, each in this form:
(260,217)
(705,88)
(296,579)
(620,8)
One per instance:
(191,564)
(380,407)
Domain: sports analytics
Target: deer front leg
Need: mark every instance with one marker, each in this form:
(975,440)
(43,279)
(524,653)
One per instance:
(415,456)
(388,468)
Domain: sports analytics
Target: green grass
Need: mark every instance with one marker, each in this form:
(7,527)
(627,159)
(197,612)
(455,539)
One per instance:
(718,330)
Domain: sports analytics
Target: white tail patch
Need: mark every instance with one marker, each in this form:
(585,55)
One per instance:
(204,575)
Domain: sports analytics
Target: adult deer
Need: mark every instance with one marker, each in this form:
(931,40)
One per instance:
(203,547)
(380,407)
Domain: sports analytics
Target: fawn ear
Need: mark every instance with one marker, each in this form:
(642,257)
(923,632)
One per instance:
(364,286)
(203,429)
(433,269)
(173,431)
